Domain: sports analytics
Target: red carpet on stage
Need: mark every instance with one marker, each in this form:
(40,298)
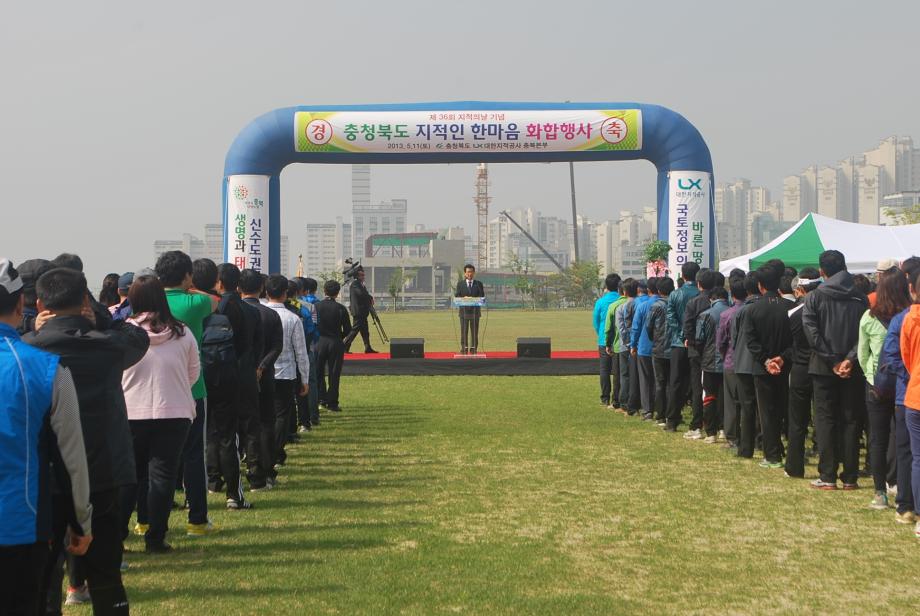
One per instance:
(488,354)
(495,363)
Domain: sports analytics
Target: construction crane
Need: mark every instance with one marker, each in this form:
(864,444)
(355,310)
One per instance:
(532,239)
(481,200)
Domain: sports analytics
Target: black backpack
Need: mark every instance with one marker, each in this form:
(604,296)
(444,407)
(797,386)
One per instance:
(218,355)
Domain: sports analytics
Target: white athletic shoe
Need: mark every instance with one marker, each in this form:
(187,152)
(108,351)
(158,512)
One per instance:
(710,440)
(721,435)
(693,435)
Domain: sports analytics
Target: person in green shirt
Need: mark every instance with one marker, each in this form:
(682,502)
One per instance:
(612,339)
(174,269)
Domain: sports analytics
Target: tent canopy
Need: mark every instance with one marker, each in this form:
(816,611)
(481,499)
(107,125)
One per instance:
(862,245)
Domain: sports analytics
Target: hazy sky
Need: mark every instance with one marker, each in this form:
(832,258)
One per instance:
(117,115)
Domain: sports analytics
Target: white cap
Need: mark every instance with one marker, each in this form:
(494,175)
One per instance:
(10,280)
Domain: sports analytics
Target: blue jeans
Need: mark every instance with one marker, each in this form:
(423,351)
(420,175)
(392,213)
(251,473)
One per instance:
(905,499)
(912,418)
(194,471)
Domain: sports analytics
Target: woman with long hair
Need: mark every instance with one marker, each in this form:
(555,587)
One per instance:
(108,296)
(158,396)
(892,296)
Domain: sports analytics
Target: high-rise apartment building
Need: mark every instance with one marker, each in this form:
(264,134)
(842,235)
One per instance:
(367,220)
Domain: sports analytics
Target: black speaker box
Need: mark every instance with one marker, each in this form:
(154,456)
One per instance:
(407,348)
(533,347)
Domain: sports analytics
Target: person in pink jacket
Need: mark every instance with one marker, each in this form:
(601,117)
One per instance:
(158,396)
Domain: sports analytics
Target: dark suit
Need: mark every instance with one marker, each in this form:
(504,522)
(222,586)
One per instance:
(360,302)
(469,316)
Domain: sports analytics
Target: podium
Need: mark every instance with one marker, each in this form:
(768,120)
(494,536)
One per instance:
(470,303)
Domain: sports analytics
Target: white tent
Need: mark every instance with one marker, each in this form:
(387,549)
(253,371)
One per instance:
(862,245)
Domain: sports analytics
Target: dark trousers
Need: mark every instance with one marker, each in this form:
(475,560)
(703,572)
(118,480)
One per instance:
(800,398)
(285,405)
(250,431)
(330,355)
(266,459)
(732,406)
(772,395)
(605,368)
(308,406)
(713,392)
(625,383)
(22,574)
(615,379)
(194,471)
(469,330)
(839,415)
(880,415)
(905,498)
(679,385)
(912,419)
(646,383)
(635,396)
(157,448)
(747,420)
(102,561)
(359,326)
(223,446)
(661,366)
(696,390)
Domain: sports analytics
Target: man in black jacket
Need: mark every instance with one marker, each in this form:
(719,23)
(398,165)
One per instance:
(260,434)
(224,389)
(334,326)
(830,319)
(768,339)
(66,326)
(360,304)
(469,315)
(744,370)
(800,385)
(706,280)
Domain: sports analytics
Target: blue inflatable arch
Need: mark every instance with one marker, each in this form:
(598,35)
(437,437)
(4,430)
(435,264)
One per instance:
(270,142)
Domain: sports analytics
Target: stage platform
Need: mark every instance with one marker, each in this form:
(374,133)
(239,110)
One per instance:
(496,363)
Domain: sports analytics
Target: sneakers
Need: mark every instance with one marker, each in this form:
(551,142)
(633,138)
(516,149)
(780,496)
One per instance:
(77,596)
(892,490)
(660,424)
(200,530)
(141,529)
(303,429)
(880,501)
(905,517)
(260,487)
(721,435)
(235,505)
(851,486)
(818,484)
(767,464)
(693,435)
(710,440)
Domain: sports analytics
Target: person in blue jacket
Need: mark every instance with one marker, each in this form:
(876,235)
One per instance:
(611,283)
(640,346)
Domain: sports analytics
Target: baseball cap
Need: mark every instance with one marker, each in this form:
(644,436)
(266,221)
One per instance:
(10,280)
(886,264)
(125,281)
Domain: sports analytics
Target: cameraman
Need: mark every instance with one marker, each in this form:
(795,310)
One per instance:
(361,304)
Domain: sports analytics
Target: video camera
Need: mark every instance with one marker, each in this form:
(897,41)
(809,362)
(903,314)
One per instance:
(351,272)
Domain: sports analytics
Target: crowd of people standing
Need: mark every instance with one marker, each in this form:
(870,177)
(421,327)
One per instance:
(763,356)
(185,378)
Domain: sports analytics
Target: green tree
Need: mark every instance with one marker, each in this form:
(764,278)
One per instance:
(524,281)
(904,216)
(330,275)
(656,252)
(577,285)
(397,283)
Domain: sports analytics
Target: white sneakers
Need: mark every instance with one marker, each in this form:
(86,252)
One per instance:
(693,435)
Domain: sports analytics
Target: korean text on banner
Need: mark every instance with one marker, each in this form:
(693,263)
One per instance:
(247,221)
(468,131)
(688,218)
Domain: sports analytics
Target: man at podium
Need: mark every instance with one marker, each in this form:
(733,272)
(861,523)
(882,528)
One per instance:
(469,315)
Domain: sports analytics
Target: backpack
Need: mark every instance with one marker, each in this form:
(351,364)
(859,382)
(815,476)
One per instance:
(218,355)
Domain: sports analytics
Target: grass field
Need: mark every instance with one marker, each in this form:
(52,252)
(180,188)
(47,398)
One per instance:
(570,330)
(422,498)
